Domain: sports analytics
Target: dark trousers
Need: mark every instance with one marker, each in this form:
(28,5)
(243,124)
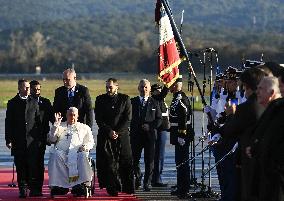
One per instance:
(183,171)
(30,167)
(228,170)
(119,175)
(159,156)
(218,154)
(139,141)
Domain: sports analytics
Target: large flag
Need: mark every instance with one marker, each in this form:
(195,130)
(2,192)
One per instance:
(168,54)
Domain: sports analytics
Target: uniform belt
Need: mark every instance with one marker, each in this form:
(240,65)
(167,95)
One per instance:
(176,124)
(165,114)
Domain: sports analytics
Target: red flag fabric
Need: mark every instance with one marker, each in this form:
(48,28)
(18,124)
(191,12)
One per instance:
(168,54)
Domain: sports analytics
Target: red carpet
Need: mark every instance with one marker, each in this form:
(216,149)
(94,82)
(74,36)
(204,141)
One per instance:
(11,194)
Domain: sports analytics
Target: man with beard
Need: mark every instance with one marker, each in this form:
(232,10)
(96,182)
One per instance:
(114,156)
(46,116)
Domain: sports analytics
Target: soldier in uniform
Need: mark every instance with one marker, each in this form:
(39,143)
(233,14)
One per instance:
(226,170)
(180,135)
(159,94)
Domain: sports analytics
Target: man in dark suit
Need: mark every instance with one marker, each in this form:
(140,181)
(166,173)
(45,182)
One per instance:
(23,137)
(267,143)
(240,121)
(73,95)
(146,118)
(46,116)
(114,156)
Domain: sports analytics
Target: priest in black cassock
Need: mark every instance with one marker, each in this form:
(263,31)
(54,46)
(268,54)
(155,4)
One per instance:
(114,156)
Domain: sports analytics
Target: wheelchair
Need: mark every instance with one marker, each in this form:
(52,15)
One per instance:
(80,190)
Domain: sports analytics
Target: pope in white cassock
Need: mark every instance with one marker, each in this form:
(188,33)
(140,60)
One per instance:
(68,164)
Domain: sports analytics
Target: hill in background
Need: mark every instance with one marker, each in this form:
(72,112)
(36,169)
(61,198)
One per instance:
(121,35)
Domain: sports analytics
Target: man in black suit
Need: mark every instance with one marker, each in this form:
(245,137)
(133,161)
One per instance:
(267,143)
(114,157)
(239,124)
(146,118)
(73,95)
(23,137)
(46,116)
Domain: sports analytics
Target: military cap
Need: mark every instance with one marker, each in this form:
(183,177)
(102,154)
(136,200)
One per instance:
(179,79)
(155,87)
(219,77)
(231,73)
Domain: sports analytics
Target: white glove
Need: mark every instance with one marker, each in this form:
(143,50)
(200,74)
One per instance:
(207,109)
(235,147)
(181,141)
(215,137)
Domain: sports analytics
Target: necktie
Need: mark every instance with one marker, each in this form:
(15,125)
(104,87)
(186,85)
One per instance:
(143,102)
(70,96)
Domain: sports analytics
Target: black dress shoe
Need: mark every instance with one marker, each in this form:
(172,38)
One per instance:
(112,192)
(174,192)
(79,190)
(22,192)
(184,196)
(55,190)
(159,185)
(35,193)
(146,189)
(137,183)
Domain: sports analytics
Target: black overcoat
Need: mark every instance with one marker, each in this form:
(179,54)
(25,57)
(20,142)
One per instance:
(268,149)
(22,124)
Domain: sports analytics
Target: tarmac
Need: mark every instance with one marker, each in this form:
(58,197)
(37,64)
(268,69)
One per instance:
(210,183)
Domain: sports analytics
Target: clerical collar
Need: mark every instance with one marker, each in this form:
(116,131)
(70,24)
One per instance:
(143,97)
(23,97)
(70,125)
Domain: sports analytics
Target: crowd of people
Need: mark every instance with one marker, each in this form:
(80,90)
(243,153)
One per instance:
(251,122)
(245,112)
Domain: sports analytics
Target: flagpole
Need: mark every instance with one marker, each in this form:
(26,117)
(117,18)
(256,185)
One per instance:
(184,52)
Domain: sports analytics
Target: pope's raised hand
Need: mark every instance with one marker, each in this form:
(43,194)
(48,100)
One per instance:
(58,118)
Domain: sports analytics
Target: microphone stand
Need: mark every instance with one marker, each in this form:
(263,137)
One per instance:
(222,159)
(210,191)
(193,180)
(13,185)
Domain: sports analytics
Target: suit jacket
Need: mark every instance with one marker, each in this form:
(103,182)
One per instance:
(46,115)
(22,124)
(153,115)
(82,101)
(268,149)
(238,126)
